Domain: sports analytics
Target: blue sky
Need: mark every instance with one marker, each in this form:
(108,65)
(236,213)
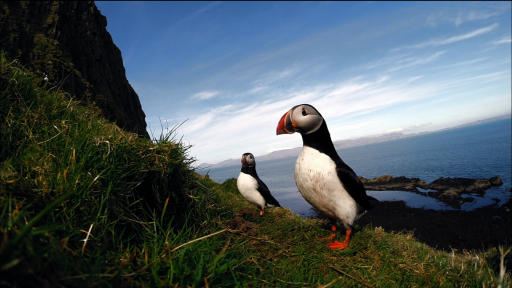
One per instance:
(232,69)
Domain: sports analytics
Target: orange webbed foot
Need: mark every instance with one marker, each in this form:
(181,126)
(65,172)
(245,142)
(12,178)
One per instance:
(332,235)
(328,238)
(335,245)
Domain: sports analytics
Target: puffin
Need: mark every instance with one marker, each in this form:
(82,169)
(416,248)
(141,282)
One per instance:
(323,179)
(251,186)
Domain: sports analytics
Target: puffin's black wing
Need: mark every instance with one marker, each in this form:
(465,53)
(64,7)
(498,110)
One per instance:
(352,184)
(263,189)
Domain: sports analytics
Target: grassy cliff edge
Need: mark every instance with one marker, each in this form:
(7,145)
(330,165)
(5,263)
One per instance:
(84,204)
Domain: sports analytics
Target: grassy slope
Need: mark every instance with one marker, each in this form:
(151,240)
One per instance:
(86,204)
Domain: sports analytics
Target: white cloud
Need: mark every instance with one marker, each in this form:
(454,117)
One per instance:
(204,95)
(194,15)
(214,61)
(276,75)
(462,63)
(278,148)
(257,89)
(439,42)
(396,130)
(252,126)
(204,120)
(474,15)
(382,62)
(504,40)
(464,15)
(416,62)
(476,80)
(435,18)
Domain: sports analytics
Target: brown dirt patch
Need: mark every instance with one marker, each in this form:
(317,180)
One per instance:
(241,226)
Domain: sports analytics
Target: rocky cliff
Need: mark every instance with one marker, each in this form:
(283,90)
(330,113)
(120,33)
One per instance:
(68,41)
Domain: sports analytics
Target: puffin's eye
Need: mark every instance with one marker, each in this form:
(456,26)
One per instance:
(304,113)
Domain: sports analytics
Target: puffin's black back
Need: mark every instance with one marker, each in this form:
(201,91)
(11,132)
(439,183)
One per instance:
(262,187)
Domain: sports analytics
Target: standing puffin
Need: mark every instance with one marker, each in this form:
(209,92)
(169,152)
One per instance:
(251,186)
(323,179)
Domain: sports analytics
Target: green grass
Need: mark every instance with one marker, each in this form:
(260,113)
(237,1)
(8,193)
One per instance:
(85,204)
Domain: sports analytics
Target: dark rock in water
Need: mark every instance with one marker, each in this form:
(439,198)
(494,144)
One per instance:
(454,187)
(68,41)
(446,190)
(496,181)
(387,182)
(451,189)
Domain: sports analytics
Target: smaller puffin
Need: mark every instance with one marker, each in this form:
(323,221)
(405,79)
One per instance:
(323,179)
(251,186)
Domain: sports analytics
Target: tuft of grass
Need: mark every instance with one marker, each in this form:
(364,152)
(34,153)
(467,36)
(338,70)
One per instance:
(84,204)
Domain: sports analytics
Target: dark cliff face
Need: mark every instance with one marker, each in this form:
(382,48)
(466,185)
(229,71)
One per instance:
(69,42)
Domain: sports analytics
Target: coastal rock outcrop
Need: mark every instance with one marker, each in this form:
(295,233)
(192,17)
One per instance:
(67,42)
(450,187)
(388,182)
(454,187)
(446,190)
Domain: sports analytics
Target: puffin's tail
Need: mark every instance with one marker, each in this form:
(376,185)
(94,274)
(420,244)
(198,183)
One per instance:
(273,204)
(368,206)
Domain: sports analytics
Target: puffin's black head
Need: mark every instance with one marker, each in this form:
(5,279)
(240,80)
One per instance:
(302,118)
(248,160)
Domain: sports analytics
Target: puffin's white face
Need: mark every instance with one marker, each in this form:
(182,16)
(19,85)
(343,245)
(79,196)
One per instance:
(248,160)
(303,118)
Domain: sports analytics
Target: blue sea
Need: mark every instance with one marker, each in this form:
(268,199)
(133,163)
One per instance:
(477,151)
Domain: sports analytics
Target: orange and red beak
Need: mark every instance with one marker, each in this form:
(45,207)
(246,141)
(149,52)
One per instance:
(285,125)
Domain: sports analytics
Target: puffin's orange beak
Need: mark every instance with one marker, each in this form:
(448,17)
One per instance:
(243,160)
(285,125)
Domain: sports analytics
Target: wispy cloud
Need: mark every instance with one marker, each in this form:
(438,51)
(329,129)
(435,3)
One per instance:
(253,124)
(504,40)
(439,42)
(194,15)
(467,81)
(474,15)
(462,63)
(417,62)
(382,62)
(463,15)
(206,119)
(204,95)
(276,75)
(214,61)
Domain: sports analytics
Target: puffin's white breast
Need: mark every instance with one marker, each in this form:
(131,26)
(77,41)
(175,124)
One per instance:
(316,178)
(248,187)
